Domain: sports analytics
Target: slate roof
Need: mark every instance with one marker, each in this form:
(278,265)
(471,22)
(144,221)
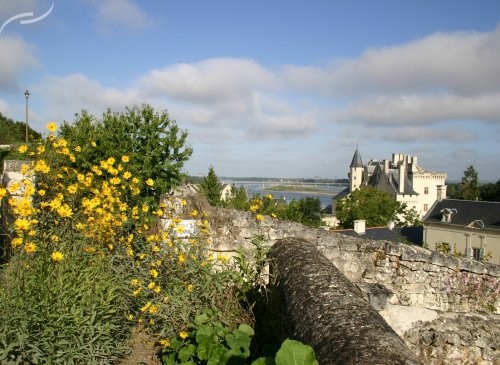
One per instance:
(397,234)
(465,212)
(356,159)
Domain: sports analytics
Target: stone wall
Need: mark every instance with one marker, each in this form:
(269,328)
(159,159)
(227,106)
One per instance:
(407,275)
(324,309)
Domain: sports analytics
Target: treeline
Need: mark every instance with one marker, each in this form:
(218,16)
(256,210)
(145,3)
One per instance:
(12,132)
(470,189)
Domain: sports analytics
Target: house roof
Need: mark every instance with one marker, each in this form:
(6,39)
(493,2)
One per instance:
(356,159)
(480,214)
(397,234)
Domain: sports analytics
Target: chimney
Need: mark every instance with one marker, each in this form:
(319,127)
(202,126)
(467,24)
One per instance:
(441,192)
(359,226)
(390,225)
(402,173)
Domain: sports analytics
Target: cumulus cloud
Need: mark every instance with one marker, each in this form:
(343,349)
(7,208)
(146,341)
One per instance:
(421,109)
(120,13)
(463,63)
(209,81)
(16,56)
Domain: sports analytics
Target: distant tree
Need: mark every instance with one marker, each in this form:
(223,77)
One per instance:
(153,142)
(490,192)
(376,207)
(238,198)
(469,186)
(453,191)
(306,211)
(211,187)
(12,132)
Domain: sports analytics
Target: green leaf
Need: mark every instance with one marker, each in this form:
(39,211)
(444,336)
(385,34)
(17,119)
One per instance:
(204,350)
(187,352)
(295,353)
(264,361)
(205,334)
(245,328)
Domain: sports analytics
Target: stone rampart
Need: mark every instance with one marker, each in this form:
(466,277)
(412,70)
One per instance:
(324,309)
(387,272)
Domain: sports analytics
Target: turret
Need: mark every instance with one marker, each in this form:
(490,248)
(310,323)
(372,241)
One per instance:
(355,171)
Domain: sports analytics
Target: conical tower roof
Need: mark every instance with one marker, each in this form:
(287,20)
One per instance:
(356,159)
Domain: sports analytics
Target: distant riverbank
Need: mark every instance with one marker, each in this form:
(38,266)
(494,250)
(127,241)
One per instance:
(297,189)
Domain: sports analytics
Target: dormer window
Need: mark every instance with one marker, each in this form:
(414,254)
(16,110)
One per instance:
(446,214)
(478,223)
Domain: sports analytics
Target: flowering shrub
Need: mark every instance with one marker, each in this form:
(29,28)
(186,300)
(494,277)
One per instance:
(89,261)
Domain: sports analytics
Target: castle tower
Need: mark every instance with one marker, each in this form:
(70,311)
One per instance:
(355,171)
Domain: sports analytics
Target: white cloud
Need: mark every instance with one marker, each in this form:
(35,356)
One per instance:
(209,81)
(463,63)
(421,109)
(120,13)
(16,56)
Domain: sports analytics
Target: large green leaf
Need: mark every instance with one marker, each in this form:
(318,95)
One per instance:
(295,353)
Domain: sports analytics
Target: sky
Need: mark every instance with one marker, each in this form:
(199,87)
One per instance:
(270,88)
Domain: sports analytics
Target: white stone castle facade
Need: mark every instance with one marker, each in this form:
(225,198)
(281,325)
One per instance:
(402,178)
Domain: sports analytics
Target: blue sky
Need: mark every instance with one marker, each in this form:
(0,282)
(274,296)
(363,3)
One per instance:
(272,88)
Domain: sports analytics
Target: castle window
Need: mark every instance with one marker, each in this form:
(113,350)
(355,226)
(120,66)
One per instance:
(426,190)
(477,253)
(426,207)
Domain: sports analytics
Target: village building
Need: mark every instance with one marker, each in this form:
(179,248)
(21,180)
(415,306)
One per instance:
(466,228)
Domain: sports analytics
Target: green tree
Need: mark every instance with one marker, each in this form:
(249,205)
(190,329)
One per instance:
(15,132)
(490,192)
(469,186)
(376,207)
(211,187)
(154,143)
(306,211)
(238,198)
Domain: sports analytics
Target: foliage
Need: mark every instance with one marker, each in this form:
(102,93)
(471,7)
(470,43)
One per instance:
(374,206)
(15,132)
(153,143)
(290,352)
(469,187)
(490,192)
(209,342)
(238,198)
(306,211)
(64,292)
(211,187)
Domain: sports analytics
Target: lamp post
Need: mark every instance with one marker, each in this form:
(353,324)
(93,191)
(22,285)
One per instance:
(26,95)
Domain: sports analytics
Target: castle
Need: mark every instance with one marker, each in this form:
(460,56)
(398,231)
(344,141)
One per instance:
(402,178)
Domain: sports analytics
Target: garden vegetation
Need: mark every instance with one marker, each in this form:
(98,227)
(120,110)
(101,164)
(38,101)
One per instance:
(94,251)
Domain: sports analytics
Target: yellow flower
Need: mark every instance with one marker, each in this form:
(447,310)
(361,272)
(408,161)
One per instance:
(153,273)
(153,309)
(77,149)
(193,213)
(127,175)
(40,149)
(130,317)
(165,342)
(125,158)
(16,242)
(30,247)
(157,289)
(111,161)
(65,211)
(52,127)
(21,224)
(183,335)
(72,188)
(93,144)
(152,285)
(183,202)
(259,217)
(182,258)
(135,282)
(57,256)
(136,292)
(269,196)
(150,182)
(190,288)
(273,215)
(41,192)
(3,193)
(145,307)
(22,149)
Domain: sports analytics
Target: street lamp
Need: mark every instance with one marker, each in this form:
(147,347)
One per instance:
(26,95)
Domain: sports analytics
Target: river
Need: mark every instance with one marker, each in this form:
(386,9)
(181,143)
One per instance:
(325,196)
